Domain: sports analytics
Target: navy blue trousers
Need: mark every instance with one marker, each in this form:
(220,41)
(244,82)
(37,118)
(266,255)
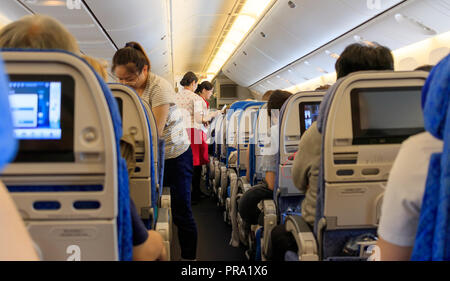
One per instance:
(178,176)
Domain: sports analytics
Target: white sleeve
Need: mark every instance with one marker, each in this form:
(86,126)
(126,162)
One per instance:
(403,197)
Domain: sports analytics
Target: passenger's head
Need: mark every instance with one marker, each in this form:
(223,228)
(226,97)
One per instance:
(276,100)
(38,32)
(189,81)
(425,67)
(358,57)
(97,65)
(131,65)
(205,89)
(323,87)
(266,95)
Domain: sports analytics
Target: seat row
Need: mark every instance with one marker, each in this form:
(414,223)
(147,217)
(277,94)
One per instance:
(363,119)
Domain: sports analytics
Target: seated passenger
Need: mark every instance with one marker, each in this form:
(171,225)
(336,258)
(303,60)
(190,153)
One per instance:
(15,241)
(305,170)
(403,198)
(43,32)
(425,67)
(248,204)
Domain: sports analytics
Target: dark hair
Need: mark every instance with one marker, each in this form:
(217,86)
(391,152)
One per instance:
(323,87)
(426,68)
(358,57)
(133,53)
(205,85)
(277,99)
(188,78)
(267,95)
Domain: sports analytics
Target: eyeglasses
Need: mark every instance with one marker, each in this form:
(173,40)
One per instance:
(130,81)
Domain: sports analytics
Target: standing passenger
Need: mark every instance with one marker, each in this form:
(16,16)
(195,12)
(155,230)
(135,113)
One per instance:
(205,91)
(195,109)
(132,67)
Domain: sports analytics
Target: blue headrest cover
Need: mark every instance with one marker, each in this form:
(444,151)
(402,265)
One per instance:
(433,233)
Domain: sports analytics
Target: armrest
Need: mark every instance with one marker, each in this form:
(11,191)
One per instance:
(245,185)
(304,236)
(270,221)
(165,198)
(163,223)
(163,227)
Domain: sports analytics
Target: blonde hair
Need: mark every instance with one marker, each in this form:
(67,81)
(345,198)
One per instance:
(97,65)
(38,32)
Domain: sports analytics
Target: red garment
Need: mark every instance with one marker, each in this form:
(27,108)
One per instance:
(199,146)
(207,103)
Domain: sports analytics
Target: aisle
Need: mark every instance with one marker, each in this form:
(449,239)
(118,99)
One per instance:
(213,235)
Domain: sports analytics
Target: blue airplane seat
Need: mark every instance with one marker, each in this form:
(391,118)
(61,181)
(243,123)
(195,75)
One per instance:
(123,219)
(336,226)
(433,235)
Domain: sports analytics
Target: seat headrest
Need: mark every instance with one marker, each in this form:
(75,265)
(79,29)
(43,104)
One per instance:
(435,99)
(8,143)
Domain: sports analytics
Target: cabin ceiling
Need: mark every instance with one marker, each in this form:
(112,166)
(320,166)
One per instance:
(180,35)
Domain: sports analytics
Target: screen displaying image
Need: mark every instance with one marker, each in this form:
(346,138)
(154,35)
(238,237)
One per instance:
(36,110)
(386,115)
(309,112)
(42,107)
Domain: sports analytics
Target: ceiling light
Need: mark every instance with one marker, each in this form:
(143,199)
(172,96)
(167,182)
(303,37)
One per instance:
(361,40)
(254,7)
(248,15)
(333,55)
(321,70)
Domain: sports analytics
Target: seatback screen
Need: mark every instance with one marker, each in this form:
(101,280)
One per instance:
(388,115)
(309,112)
(42,107)
(36,109)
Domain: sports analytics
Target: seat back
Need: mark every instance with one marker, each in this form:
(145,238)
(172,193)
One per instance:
(68,180)
(363,120)
(231,128)
(135,122)
(261,140)
(433,232)
(218,136)
(245,128)
(296,116)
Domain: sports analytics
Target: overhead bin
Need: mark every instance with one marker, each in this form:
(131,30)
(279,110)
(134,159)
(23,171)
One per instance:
(286,34)
(418,20)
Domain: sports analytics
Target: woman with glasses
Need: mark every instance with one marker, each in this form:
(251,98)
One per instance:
(132,67)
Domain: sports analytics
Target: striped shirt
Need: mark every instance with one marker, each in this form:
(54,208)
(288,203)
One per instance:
(159,92)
